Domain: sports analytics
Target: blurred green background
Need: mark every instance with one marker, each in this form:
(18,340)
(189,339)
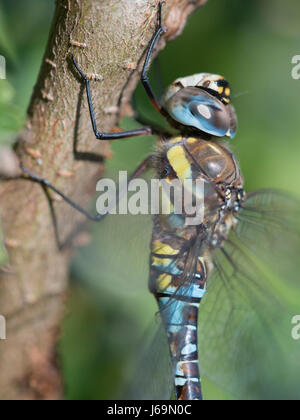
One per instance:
(252,44)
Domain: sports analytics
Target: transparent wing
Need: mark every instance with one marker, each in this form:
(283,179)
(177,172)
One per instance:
(245,336)
(245,322)
(117,260)
(149,376)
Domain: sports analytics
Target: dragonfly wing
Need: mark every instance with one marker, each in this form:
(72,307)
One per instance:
(245,339)
(117,261)
(150,374)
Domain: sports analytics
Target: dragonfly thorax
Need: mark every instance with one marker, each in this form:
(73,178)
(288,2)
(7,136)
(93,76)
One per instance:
(211,167)
(202,102)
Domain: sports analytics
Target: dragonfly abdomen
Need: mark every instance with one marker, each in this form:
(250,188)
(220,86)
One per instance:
(182,334)
(179,302)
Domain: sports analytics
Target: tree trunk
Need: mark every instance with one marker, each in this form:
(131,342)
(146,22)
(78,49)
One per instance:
(109,39)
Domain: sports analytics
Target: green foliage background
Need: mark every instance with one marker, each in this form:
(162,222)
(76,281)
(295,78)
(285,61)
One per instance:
(252,44)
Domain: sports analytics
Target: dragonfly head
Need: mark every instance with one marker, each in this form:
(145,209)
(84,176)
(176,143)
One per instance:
(203,102)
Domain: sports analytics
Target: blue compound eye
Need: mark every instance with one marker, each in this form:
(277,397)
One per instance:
(194,107)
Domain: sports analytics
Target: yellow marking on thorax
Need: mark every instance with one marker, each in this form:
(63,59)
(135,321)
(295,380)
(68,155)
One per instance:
(179,162)
(175,140)
(191,140)
(166,205)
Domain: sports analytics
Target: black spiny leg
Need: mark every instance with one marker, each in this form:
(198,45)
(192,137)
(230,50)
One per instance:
(107,136)
(46,184)
(144,78)
(111,136)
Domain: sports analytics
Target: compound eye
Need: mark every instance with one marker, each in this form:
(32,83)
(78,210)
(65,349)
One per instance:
(197,108)
(211,118)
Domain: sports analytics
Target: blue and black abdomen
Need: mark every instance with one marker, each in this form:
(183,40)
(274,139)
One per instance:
(178,299)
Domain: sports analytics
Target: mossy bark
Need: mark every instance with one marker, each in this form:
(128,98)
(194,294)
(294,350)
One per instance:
(109,40)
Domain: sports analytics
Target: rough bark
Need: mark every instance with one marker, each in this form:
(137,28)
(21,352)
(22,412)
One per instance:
(109,39)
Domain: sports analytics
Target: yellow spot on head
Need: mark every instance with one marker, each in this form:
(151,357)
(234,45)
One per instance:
(227,92)
(221,90)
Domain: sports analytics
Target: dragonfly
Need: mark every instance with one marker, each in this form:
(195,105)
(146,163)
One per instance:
(217,283)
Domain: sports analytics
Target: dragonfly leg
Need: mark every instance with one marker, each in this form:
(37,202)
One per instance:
(157,129)
(146,131)
(144,77)
(96,218)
